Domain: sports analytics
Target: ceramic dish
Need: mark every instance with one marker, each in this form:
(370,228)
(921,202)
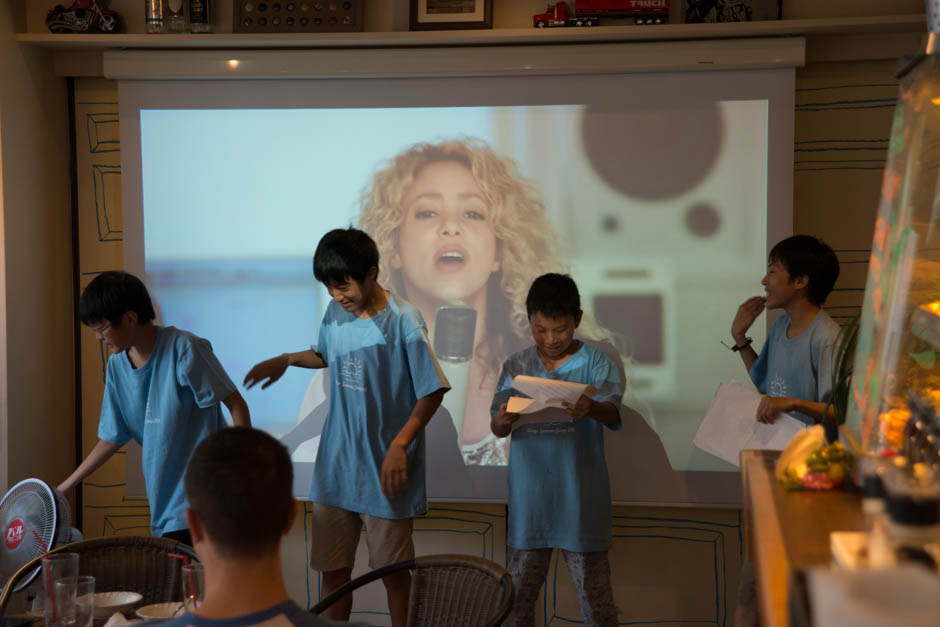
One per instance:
(107,603)
(161,610)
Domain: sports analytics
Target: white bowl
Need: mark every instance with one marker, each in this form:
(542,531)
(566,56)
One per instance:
(107,603)
(161,610)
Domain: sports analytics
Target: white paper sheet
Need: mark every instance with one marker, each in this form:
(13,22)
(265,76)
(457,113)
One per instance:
(730,425)
(546,404)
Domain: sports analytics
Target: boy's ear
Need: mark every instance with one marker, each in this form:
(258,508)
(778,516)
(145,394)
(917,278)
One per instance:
(800,282)
(577,319)
(292,516)
(196,530)
(373,273)
(129,318)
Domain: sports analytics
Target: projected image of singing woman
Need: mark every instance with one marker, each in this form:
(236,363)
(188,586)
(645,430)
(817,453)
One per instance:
(455,222)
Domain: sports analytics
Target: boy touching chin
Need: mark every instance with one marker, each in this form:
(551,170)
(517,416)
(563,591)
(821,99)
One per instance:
(794,368)
(559,491)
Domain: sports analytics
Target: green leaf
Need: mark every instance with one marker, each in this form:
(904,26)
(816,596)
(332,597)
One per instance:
(926,359)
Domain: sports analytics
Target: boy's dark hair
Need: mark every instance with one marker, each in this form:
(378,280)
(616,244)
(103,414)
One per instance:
(239,482)
(344,254)
(553,295)
(804,255)
(112,294)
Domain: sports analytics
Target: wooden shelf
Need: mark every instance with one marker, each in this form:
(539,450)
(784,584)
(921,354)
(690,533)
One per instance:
(913,24)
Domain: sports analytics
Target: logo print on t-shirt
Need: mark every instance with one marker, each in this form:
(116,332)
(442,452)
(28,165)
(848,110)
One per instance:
(777,387)
(350,375)
(148,415)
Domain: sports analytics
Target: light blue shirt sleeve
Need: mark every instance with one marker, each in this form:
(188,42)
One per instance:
(322,347)
(200,370)
(606,379)
(426,374)
(503,389)
(758,371)
(112,426)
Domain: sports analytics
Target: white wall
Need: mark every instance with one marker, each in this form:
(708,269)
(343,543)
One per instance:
(37,421)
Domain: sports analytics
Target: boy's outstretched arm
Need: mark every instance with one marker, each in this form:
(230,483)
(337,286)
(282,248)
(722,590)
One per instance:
(239,409)
(99,455)
(274,368)
(394,473)
(743,319)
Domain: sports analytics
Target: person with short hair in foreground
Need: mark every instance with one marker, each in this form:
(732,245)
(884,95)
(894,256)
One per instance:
(240,506)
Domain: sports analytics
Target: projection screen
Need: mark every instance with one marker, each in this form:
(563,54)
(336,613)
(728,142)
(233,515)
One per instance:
(658,193)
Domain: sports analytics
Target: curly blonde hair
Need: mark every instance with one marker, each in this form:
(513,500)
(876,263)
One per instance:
(526,239)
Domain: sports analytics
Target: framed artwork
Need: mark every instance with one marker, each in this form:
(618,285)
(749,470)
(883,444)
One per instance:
(451,14)
(697,11)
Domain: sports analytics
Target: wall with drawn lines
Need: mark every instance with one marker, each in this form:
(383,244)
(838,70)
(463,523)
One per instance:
(843,120)
(669,565)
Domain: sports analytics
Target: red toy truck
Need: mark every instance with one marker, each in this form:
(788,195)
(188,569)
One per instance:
(589,12)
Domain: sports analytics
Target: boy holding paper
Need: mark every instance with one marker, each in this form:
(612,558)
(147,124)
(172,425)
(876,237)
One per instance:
(559,492)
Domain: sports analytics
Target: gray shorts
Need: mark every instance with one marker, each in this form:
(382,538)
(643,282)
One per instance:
(334,537)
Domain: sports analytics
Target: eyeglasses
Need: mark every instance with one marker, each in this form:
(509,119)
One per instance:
(102,329)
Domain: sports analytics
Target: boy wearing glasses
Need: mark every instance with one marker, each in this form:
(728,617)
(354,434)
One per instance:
(163,388)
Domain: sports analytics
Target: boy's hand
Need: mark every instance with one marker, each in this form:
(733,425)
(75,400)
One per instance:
(747,314)
(580,409)
(394,474)
(270,369)
(771,407)
(502,422)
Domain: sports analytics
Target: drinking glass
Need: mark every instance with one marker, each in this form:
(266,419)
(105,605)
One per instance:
(55,567)
(194,586)
(75,601)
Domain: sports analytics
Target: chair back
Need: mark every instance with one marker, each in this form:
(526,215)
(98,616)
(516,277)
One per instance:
(134,563)
(452,590)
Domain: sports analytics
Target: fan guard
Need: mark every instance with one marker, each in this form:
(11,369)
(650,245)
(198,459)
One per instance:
(30,506)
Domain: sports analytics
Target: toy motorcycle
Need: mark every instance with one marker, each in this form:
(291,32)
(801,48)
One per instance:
(82,17)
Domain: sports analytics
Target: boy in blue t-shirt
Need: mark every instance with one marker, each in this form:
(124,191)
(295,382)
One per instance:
(385,384)
(163,388)
(559,491)
(794,368)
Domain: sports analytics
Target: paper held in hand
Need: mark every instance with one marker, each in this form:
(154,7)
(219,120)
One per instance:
(546,402)
(730,425)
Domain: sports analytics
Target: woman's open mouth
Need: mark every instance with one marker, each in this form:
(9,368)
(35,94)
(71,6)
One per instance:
(450,258)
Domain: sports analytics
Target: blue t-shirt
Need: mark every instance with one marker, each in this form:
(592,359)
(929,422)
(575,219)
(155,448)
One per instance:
(169,405)
(559,492)
(286,614)
(800,367)
(379,368)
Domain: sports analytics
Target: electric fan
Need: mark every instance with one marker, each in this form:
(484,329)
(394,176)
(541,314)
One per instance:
(33,517)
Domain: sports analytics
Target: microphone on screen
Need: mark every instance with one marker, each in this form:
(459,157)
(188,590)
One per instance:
(454,328)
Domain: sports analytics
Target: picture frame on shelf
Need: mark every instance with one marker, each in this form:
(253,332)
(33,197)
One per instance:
(450,14)
(702,11)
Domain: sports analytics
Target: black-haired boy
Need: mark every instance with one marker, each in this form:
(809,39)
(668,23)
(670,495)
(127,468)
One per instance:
(163,388)
(385,384)
(794,368)
(559,491)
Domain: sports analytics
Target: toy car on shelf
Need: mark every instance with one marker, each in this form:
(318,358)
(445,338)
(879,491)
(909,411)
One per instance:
(589,12)
(81,17)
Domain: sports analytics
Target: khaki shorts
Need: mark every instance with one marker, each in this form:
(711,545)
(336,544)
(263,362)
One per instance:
(334,536)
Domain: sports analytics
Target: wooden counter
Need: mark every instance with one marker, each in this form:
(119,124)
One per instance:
(784,531)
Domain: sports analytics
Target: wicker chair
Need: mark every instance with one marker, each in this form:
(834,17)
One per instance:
(446,591)
(139,564)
